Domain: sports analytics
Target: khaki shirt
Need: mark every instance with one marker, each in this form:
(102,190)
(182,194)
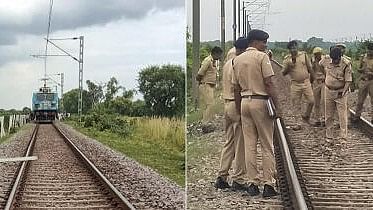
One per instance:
(230,54)
(366,66)
(337,74)
(319,74)
(208,70)
(228,87)
(299,72)
(249,70)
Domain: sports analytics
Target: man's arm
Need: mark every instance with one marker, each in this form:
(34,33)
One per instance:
(309,68)
(348,78)
(272,92)
(237,97)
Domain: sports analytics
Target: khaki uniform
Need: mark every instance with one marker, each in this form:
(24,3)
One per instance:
(336,77)
(318,90)
(365,85)
(250,69)
(300,82)
(234,147)
(230,54)
(208,72)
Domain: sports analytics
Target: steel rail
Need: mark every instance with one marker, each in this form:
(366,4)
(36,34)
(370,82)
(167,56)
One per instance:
(364,123)
(126,204)
(296,193)
(21,171)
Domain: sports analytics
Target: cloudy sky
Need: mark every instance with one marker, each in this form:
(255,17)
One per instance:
(120,37)
(296,19)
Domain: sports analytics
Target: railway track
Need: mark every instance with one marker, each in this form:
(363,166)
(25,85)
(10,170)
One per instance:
(329,174)
(62,177)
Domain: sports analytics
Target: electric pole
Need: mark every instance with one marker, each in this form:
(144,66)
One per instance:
(196,43)
(234,20)
(222,27)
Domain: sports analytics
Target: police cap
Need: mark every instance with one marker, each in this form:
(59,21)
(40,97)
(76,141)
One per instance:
(341,45)
(241,43)
(258,35)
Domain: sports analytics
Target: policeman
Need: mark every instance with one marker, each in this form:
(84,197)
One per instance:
(366,82)
(230,54)
(298,66)
(270,54)
(207,80)
(337,82)
(234,147)
(343,48)
(253,83)
(318,85)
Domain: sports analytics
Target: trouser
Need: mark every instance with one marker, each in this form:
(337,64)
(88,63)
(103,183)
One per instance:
(257,125)
(297,90)
(234,147)
(333,102)
(206,93)
(318,93)
(365,88)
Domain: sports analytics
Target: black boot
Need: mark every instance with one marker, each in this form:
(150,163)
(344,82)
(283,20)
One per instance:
(253,190)
(269,191)
(220,183)
(239,187)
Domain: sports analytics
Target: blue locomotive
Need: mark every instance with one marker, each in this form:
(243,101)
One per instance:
(44,105)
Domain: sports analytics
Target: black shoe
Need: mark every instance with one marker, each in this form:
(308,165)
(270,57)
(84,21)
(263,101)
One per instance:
(220,183)
(269,191)
(239,187)
(253,190)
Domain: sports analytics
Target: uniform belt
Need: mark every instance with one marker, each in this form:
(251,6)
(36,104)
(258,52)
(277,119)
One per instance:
(300,81)
(206,83)
(256,97)
(334,88)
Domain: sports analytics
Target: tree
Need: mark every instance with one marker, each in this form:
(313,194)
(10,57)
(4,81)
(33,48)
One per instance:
(112,89)
(163,88)
(95,93)
(70,101)
(26,110)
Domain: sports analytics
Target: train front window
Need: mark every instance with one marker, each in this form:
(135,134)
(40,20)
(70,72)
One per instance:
(45,97)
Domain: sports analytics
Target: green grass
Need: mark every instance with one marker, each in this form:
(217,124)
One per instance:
(154,142)
(196,115)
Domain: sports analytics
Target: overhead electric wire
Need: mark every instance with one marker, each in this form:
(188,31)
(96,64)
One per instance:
(48,31)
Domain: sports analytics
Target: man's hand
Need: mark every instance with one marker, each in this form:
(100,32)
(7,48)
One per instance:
(199,78)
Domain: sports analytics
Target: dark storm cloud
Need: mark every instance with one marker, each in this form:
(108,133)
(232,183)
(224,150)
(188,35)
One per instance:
(72,14)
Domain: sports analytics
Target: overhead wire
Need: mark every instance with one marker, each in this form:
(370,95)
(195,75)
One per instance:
(48,32)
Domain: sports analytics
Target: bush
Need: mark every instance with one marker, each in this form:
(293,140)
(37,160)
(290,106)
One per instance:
(108,122)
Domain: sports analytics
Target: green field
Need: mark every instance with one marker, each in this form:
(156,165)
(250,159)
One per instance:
(154,142)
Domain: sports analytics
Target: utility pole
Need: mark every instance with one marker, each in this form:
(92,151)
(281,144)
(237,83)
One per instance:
(196,43)
(239,17)
(222,27)
(62,81)
(234,27)
(80,101)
